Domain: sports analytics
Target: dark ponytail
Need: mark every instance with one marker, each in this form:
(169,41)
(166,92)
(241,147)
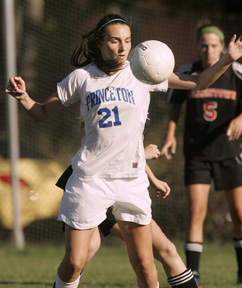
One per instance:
(88,52)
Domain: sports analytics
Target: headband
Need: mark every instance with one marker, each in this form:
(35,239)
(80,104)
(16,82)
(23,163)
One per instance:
(110,21)
(212,29)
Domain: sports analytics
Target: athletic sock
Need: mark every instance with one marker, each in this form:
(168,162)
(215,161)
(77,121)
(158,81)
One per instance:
(61,284)
(238,250)
(193,252)
(183,280)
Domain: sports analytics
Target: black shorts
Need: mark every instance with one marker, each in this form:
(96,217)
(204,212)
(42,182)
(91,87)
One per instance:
(107,224)
(226,174)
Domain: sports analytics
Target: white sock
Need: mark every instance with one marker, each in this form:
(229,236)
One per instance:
(158,285)
(60,284)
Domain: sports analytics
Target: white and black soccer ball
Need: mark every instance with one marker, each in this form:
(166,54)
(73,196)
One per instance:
(152,62)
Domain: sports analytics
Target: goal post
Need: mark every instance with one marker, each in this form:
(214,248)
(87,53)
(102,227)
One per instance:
(10,69)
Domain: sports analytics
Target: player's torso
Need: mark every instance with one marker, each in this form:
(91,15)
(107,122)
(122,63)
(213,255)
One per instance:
(208,115)
(216,105)
(112,105)
(114,110)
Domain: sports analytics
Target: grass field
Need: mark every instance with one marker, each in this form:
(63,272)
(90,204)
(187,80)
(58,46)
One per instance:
(35,267)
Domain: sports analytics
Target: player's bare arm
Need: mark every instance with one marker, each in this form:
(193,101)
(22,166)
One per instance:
(152,152)
(211,74)
(170,142)
(162,187)
(38,111)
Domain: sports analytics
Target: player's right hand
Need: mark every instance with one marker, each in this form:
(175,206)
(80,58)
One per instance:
(234,130)
(16,87)
(169,144)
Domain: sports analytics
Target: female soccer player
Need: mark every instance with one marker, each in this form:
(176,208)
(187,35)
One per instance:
(212,143)
(109,168)
(164,250)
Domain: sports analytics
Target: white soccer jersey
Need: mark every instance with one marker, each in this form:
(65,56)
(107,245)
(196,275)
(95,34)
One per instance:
(114,109)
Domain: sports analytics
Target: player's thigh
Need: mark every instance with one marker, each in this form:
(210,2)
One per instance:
(198,176)
(94,244)
(159,239)
(198,197)
(138,239)
(77,243)
(162,246)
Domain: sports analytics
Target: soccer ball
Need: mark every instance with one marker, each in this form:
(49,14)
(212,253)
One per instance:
(152,62)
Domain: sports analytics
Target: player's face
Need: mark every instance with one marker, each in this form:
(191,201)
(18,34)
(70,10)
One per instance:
(116,44)
(210,49)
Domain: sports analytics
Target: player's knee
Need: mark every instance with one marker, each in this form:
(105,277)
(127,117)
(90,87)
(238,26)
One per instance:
(171,251)
(77,263)
(167,252)
(198,213)
(144,266)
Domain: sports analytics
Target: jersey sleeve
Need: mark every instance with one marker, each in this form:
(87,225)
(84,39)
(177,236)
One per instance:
(163,86)
(69,88)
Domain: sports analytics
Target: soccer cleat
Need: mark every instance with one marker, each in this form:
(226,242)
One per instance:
(196,278)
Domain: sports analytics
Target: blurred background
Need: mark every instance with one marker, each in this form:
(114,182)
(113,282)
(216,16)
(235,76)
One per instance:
(47,32)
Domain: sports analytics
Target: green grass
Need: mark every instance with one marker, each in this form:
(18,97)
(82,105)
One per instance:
(35,267)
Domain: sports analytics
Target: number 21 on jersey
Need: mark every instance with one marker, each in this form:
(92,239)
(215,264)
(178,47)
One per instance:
(104,122)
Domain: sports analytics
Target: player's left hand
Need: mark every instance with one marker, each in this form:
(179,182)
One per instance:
(151,152)
(235,128)
(163,189)
(235,48)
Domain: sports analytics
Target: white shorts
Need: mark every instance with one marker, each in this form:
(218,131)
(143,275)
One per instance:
(84,203)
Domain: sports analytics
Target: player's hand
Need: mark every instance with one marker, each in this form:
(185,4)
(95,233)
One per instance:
(235,128)
(151,152)
(170,143)
(16,87)
(235,48)
(163,189)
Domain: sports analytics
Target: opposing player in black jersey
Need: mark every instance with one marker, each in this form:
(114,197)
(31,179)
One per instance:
(212,143)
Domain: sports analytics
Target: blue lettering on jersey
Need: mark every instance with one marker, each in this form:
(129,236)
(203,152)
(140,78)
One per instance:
(109,94)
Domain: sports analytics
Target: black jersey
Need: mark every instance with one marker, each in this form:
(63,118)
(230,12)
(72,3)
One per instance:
(208,114)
